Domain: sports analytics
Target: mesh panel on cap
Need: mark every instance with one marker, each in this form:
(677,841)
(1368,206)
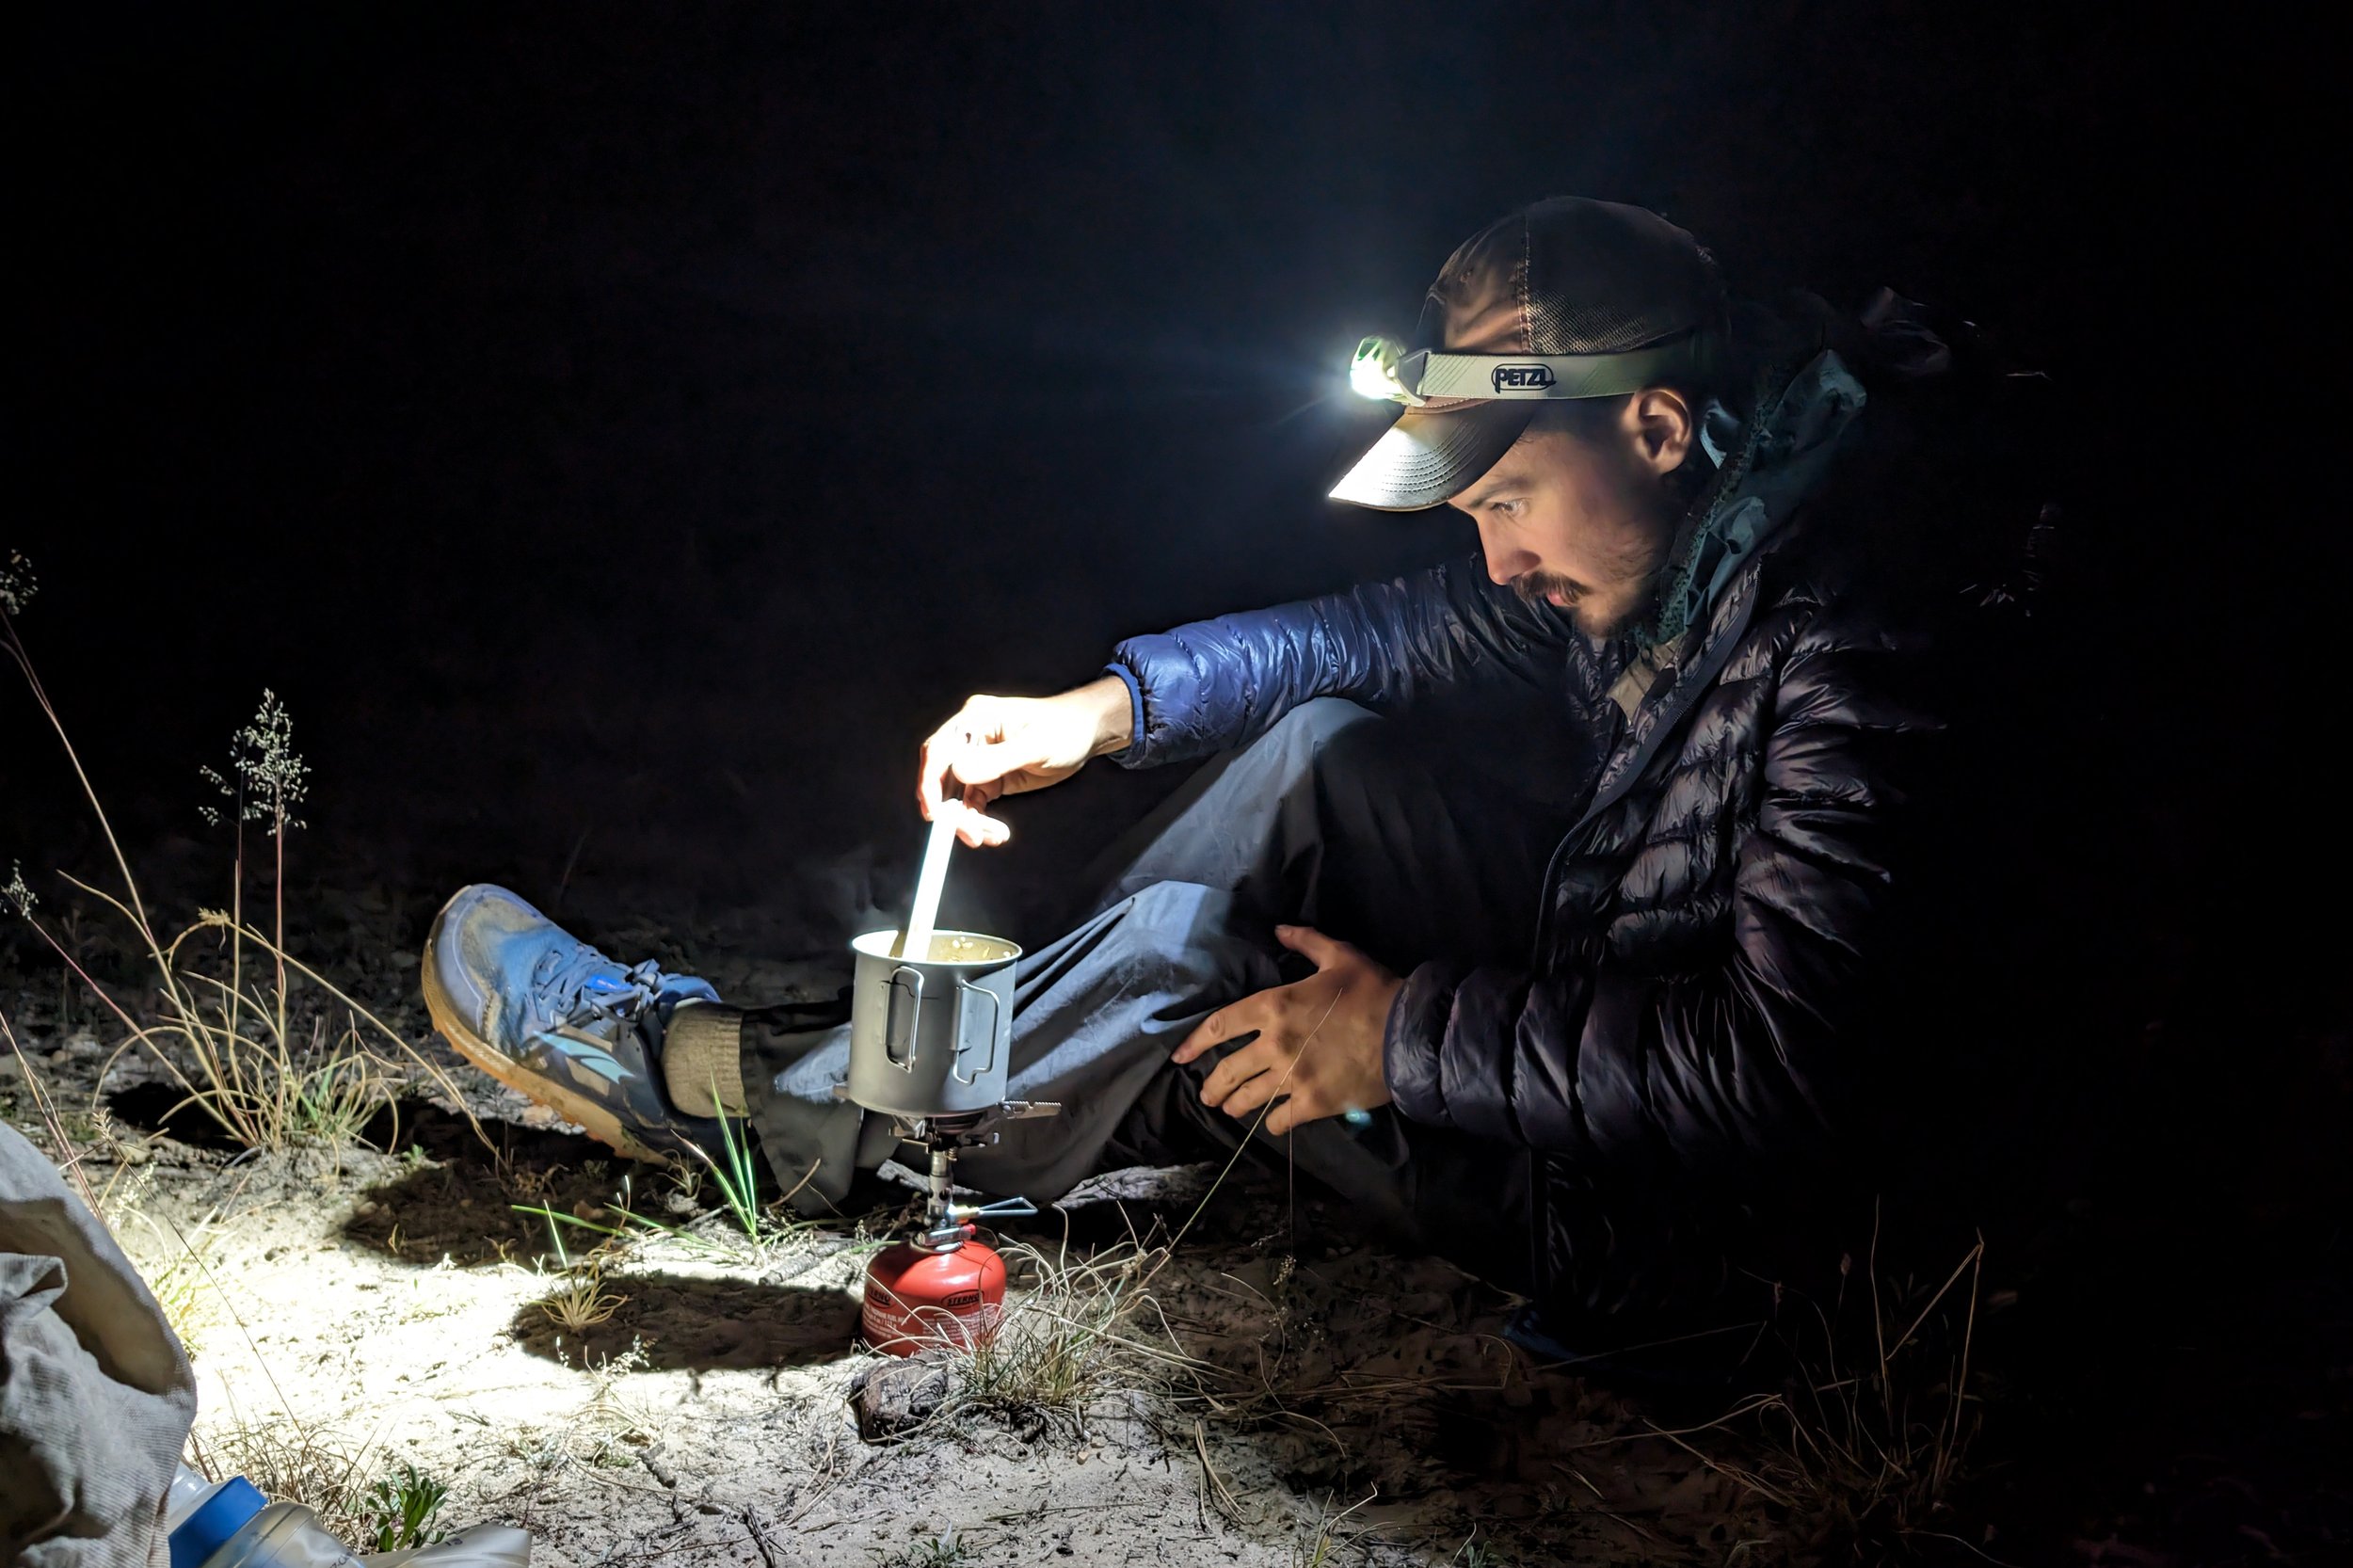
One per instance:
(1557,326)
(1603,278)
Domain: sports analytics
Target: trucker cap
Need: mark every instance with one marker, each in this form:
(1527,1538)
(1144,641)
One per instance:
(1599,298)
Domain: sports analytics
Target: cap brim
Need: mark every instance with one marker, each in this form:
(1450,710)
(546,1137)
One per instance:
(1425,457)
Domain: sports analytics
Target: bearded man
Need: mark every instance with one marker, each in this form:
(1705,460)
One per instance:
(1598,1015)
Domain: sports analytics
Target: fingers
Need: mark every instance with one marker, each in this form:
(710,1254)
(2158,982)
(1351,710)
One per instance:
(1313,944)
(977,829)
(1208,1033)
(1224,1024)
(1255,1092)
(952,751)
(1267,1068)
(984,761)
(997,746)
(939,775)
(943,787)
(1260,1059)
(1277,1067)
(931,775)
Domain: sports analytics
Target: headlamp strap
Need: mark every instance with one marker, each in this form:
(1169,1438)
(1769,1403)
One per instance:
(1433,374)
(1381,370)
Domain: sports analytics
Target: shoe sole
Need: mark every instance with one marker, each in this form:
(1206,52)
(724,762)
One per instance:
(592,1118)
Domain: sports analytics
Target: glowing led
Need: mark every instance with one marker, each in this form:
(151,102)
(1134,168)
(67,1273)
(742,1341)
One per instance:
(1373,372)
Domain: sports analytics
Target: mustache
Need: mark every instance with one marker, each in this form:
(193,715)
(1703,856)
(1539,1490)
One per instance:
(1534,587)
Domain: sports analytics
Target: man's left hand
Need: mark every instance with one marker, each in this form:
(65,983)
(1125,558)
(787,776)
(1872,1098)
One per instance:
(1319,1040)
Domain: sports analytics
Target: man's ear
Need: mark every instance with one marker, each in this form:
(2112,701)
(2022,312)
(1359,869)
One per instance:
(1663,424)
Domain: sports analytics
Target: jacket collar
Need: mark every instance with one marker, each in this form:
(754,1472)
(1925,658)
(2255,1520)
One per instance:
(1782,452)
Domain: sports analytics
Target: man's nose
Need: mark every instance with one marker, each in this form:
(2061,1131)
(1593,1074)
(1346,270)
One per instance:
(1505,561)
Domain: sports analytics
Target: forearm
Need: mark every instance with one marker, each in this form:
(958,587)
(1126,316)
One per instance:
(1116,708)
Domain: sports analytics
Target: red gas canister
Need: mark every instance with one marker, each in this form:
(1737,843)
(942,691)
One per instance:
(917,1298)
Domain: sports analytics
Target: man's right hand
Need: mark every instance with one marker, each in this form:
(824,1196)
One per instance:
(1007,745)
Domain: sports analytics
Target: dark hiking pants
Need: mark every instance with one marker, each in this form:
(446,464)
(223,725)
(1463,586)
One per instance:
(1359,826)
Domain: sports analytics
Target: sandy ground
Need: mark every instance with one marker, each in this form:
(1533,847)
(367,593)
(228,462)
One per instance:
(383,1303)
(1351,1406)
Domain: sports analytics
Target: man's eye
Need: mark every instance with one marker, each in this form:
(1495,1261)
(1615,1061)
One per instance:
(1505,509)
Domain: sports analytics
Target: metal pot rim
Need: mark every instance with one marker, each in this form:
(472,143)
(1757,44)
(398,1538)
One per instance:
(877,944)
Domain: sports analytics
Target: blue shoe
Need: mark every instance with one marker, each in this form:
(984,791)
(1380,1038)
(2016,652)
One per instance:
(560,1023)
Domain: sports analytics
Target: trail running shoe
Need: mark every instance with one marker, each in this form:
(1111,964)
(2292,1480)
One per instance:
(560,1023)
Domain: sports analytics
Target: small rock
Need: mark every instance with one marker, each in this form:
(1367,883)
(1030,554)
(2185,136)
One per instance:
(892,1396)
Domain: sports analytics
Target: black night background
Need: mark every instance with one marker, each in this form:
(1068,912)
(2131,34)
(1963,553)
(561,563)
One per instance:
(619,433)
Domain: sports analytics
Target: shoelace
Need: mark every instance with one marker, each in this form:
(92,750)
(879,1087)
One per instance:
(584,985)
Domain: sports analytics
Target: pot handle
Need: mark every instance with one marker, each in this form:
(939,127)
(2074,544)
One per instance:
(965,989)
(890,1012)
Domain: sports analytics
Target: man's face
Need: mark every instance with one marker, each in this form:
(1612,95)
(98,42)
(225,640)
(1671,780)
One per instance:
(1578,512)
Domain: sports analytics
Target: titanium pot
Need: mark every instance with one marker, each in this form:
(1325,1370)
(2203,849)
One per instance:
(931,1036)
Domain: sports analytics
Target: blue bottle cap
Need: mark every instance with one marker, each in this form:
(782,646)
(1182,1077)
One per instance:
(222,1515)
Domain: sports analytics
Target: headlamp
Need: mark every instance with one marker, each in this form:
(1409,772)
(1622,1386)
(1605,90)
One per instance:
(1374,374)
(1383,368)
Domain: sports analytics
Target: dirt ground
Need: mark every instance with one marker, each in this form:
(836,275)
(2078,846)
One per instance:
(1275,1388)
(383,1301)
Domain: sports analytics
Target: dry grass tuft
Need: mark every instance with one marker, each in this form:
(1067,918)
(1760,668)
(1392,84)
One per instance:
(579,1300)
(293,1464)
(742,1231)
(1324,1541)
(1078,1328)
(227,1042)
(180,1278)
(1072,1329)
(1862,1452)
(222,1026)
(1871,1445)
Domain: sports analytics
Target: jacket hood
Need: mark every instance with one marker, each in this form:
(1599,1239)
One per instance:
(1801,393)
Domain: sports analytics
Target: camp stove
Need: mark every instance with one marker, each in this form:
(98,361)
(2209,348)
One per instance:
(930,1037)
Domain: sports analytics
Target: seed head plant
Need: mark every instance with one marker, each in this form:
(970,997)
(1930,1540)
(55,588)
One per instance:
(230,1044)
(17,585)
(22,898)
(268,779)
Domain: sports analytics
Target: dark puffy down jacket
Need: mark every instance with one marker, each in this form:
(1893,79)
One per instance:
(1697,1016)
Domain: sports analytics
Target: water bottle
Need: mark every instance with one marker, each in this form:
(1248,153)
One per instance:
(229,1524)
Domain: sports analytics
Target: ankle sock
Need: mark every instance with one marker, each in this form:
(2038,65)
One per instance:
(702,1050)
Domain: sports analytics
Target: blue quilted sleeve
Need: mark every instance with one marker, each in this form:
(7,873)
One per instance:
(1216,685)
